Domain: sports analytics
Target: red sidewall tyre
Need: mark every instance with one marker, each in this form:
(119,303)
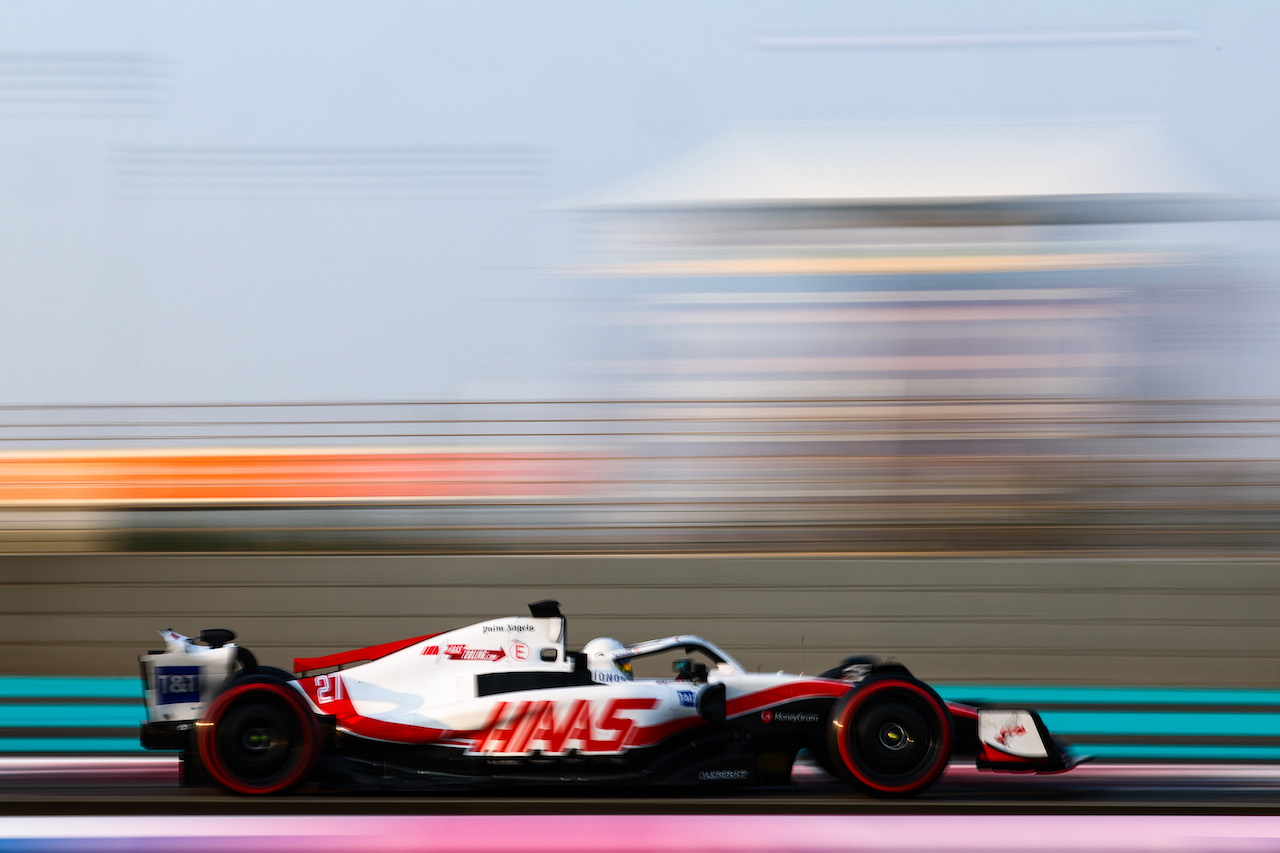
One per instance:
(891,736)
(258,738)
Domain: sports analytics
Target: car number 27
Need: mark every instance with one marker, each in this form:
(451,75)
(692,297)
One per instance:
(328,688)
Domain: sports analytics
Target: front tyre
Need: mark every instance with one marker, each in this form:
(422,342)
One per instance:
(890,737)
(258,738)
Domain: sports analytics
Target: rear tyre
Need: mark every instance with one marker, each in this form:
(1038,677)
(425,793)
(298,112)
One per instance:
(258,738)
(264,673)
(890,737)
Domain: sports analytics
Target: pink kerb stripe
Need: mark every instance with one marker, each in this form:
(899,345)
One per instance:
(706,834)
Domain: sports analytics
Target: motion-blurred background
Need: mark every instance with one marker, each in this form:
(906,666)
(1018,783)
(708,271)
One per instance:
(944,332)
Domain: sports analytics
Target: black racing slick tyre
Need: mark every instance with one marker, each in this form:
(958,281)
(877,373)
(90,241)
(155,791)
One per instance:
(890,737)
(258,738)
(264,673)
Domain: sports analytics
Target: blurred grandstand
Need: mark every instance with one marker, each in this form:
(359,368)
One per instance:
(883,340)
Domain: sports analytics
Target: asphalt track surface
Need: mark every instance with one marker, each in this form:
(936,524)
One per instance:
(148,786)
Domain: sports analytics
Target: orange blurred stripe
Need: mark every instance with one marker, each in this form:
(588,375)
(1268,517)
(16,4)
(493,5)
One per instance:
(265,476)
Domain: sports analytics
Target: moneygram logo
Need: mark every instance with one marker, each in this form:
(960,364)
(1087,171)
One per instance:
(789,717)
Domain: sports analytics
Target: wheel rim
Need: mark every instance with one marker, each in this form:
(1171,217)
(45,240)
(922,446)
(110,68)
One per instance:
(258,738)
(259,742)
(894,738)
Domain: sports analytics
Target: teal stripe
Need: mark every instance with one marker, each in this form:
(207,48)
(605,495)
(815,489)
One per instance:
(79,716)
(1077,726)
(1155,723)
(70,744)
(70,687)
(1175,752)
(1033,695)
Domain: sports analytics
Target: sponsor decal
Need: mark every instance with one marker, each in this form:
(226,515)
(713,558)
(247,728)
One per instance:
(519,651)
(606,676)
(1011,728)
(788,717)
(431,650)
(514,629)
(720,775)
(176,684)
(1010,732)
(687,698)
(329,688)
(555,728)
(459,651)
(791,717)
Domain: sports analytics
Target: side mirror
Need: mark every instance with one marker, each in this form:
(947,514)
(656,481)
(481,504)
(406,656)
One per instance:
(711,704)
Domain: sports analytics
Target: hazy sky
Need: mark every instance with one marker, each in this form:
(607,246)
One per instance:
(227,201)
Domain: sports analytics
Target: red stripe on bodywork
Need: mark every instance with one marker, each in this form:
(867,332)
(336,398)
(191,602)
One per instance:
(357,655)
(352,721)
(996,755)
(816,689)
(966,711)
(662,731)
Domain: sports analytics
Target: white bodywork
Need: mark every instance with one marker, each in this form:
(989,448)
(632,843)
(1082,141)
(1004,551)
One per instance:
(181,680)
(1012,732)
(427,693)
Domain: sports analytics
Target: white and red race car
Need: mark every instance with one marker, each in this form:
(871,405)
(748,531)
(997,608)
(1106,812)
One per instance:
(505,702)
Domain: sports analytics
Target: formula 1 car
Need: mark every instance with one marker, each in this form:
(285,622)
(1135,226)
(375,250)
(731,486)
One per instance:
(505,702)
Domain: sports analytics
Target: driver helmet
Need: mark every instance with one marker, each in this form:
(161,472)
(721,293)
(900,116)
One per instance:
(602,663)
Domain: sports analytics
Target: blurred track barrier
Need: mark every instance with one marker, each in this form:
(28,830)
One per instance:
(1025,620)
(100,716)
(822,475)
(70,715)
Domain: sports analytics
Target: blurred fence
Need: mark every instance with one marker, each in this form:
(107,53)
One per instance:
(818,475)
(1083,620)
